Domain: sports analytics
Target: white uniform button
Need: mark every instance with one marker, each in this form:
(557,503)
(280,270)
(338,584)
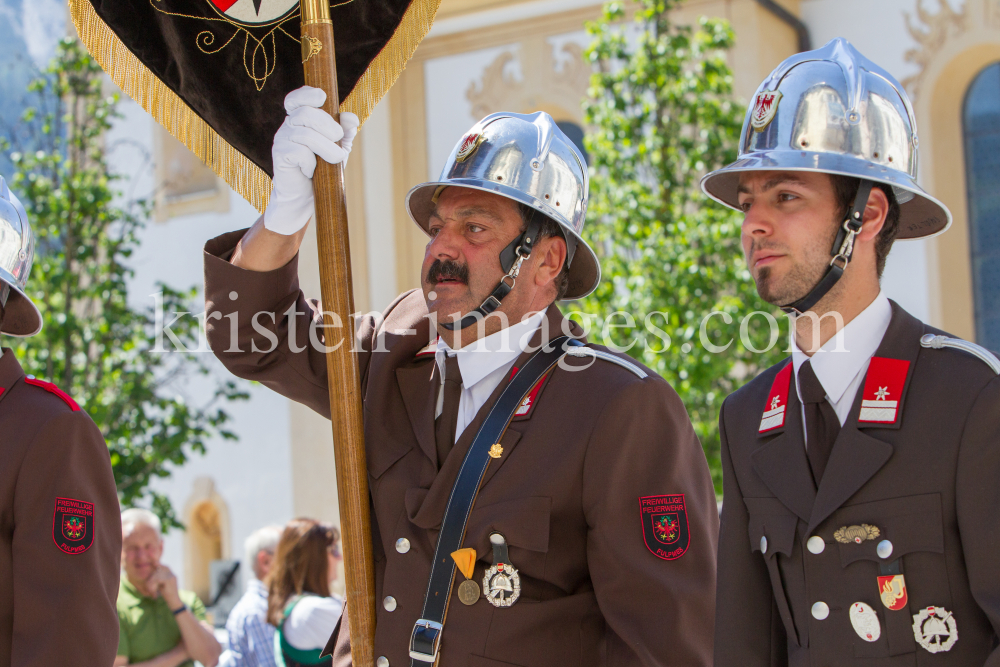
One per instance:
(884,549)
(382,661)
(820,611)
(816,544)
(402,546)
(389,603)
(763,544)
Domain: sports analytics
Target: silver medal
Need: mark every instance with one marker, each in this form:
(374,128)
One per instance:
(935,629)
(502,585)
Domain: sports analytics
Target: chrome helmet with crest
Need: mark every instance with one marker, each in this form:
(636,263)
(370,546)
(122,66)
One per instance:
(17,250)
(833,111)
(526,158)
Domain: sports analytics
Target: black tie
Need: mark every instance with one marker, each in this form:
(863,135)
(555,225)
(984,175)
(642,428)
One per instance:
(822,424)
(444,427)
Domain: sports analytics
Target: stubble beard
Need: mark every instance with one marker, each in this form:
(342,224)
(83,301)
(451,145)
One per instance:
(800,279)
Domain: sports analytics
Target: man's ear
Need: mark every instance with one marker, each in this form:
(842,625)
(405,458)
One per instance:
(876,210)
(551,252)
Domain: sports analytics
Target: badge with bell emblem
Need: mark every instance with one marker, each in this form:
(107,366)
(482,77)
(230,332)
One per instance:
(501,584)
(935,629)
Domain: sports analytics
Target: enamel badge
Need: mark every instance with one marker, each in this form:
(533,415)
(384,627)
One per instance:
(470,143)
(865,622)
(935,629)
(892,590)
(777,398)
(884,384)
(764,108)
(73,525)
(665,525)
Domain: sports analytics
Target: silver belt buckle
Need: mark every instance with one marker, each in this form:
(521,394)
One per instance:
(427,633)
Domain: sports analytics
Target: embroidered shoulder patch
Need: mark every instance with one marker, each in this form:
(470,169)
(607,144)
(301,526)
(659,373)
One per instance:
(73,525)
(51,388)
(665,525)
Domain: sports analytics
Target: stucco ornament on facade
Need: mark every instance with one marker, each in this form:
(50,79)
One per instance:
(553,78)
(933,30)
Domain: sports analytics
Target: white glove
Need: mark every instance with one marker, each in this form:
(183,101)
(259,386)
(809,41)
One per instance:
(308,131)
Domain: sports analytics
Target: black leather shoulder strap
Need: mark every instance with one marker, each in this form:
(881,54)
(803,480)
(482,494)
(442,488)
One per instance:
(425,641)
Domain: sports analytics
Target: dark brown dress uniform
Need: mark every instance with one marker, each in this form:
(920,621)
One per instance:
(565,493)
(916,495)
(60,529)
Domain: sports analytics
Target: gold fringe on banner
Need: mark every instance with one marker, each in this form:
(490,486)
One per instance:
(170,111)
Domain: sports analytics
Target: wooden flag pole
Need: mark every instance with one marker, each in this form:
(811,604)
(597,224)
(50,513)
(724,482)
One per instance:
(320,65)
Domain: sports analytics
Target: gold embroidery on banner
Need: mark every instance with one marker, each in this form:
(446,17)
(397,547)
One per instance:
(243,176)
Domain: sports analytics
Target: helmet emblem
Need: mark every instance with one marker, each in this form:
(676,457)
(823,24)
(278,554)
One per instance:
(468,146)
(764,109)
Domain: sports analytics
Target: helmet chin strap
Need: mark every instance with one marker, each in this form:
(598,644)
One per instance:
(511,259)
(843,248)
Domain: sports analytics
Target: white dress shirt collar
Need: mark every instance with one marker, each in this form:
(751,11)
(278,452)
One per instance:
(484,356)
(839,361)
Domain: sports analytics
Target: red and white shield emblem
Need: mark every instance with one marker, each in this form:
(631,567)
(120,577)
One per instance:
(255,12)
(764,108)
(470,143)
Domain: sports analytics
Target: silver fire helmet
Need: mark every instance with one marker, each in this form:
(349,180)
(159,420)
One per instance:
(17,250)
(834,111)
(527,158)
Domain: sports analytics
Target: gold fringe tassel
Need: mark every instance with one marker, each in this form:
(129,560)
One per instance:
(170,111)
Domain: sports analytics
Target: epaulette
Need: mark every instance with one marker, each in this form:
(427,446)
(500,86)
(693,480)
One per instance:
(936,342)
(52,389)
(584,351)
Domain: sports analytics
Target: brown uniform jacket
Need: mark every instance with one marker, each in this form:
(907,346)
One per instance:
(60,529)
(928,483)
(565,493)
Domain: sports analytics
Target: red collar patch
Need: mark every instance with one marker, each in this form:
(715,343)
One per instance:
(528,404)
(51,388)
(884,385)
(777,400)
(429,350)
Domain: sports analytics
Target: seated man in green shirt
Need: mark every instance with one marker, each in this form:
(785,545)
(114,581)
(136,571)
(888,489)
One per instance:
(160,626)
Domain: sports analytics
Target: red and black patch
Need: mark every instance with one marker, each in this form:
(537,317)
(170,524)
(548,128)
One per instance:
(73,525)
(665,525)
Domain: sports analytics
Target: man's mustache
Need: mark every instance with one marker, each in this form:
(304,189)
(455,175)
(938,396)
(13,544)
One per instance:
(446,270)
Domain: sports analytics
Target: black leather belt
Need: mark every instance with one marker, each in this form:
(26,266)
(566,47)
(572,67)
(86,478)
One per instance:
(425,641)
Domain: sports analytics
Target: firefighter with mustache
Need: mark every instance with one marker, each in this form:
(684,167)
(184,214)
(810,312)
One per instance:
(588,524)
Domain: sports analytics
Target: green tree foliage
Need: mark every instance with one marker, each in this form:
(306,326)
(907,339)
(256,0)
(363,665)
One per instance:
(94,344)
(661,113)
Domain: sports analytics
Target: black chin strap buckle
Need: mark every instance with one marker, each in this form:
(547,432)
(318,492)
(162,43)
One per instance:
(511,259)
(842,251)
